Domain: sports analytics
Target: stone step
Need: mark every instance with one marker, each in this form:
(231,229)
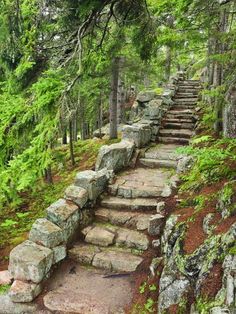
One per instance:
(187,112)
(140,183)
(181,114)
(158,163)
(186,95)
(163,152)
(129,219)
(172,140)
(176,125)
(188,89)
(138,204)
(111,259)
(183,106)
(107,235)
(139,191)
(190,82)
(188,101)
(178,120)
(182,133)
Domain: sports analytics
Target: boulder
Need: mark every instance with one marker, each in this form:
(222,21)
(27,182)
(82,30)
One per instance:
(116,156)
(65,215)
(139,133)
(77,195)
(46,233)
(184,164)
(171,291)
(94,182)
(146,96)
(24,292)
(153,110)
(30,262)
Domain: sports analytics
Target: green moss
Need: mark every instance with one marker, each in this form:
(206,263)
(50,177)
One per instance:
(4,289)
(232,250)
(204,305)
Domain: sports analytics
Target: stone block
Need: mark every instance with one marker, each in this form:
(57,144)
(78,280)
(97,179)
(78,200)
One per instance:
(154,109)
(146,96)
(30,262)
(59,253)
(46,233)
(24,292)
(94,182)
(156,223)
(139,133)
(116,156)
(65,215)
(77,194)
(100,236)
(5,277)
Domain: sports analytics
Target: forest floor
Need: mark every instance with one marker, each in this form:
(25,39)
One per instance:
(16,221)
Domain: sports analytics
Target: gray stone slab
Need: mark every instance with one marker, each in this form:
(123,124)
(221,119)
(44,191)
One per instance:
(24,292)
(100,236)
(46,233)
(94,182)
(30,261)
(77,194)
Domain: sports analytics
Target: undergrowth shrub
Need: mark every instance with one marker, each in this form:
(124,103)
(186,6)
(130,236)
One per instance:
(215,159)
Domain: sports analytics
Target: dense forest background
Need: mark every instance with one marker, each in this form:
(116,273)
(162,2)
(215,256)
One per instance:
(62,62)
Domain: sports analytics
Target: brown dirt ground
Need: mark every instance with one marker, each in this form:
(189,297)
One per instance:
(213,282)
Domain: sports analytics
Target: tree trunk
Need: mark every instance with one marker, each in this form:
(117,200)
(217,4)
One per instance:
(100,116)
(114,98)
(64,136)
(218,69)
(72,157)
(48,175)
(168,63)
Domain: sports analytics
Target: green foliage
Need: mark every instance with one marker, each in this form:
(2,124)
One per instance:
(232,250)
(152,287)
(212,161)
(204,305)
(142,288)
(149,305)
(37,199)
(4,289)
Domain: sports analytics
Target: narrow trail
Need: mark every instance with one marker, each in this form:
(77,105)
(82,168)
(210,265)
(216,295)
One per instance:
(124,221)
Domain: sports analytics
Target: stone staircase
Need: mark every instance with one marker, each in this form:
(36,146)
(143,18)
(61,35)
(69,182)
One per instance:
(129,213)
(126,217)
(179,122)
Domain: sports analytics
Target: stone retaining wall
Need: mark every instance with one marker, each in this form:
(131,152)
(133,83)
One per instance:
(32,261)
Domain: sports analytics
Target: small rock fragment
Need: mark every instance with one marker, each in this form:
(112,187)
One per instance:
(160,206)
(24,292)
